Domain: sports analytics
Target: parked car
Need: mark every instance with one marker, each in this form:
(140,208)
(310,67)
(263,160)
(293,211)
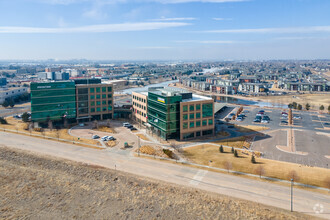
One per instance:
(81,124)
(129,126)
(242,116)
(133,128)
(239,119)
(284,117)
(257,120)
(265,117)
(264,121)
(95,136)
(263,111)
(105,138)
(110,138)
(126,124)
(284,122)
(297,117)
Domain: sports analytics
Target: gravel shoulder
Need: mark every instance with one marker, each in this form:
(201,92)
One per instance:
(41,187)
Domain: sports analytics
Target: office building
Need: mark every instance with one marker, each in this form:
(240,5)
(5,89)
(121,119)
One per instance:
(179,114)
(54,101)
(9,93)
(140,106)
(3,81)
(94,101)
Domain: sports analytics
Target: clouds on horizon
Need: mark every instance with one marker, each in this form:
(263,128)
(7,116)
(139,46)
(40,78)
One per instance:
(142,26)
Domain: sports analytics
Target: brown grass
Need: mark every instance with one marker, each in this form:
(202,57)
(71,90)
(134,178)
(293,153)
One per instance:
(237,142)
(249,128)
(105,129)
(18,125)
(143,137)
(202,154)
(110,143)
(223,134)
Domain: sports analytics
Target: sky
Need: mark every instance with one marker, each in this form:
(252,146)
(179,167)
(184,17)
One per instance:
(164,29)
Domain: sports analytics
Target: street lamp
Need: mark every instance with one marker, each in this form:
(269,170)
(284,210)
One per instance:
(292,195)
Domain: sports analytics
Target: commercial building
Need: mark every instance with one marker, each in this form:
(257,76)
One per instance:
(196,117)
(179,114)
(140,106)
(71,101)
(8,93)
(55,101)
(94,102)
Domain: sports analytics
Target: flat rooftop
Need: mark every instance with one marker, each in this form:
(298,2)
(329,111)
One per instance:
(197,98)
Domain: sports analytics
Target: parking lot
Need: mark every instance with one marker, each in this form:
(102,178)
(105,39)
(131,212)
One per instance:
(311,136)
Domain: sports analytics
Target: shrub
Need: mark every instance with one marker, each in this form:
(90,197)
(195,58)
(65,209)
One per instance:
(253,159)
(3,121)
(260,171)
(37,129)
(232,149)
(168,152)
(221,149)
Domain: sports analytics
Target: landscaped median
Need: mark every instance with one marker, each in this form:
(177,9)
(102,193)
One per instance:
(210,155)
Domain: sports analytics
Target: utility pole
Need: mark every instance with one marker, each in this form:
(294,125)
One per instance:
(139,146)
(291,195)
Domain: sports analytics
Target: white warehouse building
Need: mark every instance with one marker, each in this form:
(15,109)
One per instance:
(7,93)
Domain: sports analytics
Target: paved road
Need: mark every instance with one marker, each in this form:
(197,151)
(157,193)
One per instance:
(262,192)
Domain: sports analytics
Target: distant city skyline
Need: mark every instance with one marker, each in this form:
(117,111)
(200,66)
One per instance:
(164,29)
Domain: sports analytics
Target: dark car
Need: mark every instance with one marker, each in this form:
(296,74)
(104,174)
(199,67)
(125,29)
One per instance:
(284,122)
(129,126)
(257,120)
(133,128)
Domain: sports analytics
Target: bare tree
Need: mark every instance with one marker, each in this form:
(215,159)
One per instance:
(260,171)
(95,124)
(43,132)
(293,175)
(228,166)
(57,134)
(16,127)
(50,125)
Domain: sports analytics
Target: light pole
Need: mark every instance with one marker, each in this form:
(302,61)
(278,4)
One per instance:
(291,195)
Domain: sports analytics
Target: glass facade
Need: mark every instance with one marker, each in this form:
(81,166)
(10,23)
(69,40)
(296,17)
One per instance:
(53,101)
(164,114)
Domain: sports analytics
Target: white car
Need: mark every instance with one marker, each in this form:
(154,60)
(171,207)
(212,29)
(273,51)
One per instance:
(264,121)
(126,124)
(105,138)
(297,117)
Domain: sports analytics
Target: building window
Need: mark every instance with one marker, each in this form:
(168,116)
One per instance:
(92,109)
(185,125)
(92,96)
(198,134)
(191,116)
(198,107)
(188,135)
(198,123)
(210,121)
(191,108)
(109,89)
(198,115)
(109,96)
(98,96)
(104,89)
(185,108)
(104,102)
(204,123)
(91,90)
(98,109)
(98,89)
(191,124)
(207,132)
(110,108)
(104,109)
(207,110)
(185,117)
(109,102)
(98,102)
(104,96)
(92,103)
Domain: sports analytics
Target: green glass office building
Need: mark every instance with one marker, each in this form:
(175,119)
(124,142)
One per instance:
(164,113)
(53,101)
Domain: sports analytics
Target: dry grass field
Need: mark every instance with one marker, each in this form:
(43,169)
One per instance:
(249,128)
(105,129)
(39,187)
(202,154)
(143,137)
(315,100)
(18,125)
(237,142)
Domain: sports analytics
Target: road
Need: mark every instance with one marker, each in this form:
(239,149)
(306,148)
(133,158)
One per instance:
(243,188)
